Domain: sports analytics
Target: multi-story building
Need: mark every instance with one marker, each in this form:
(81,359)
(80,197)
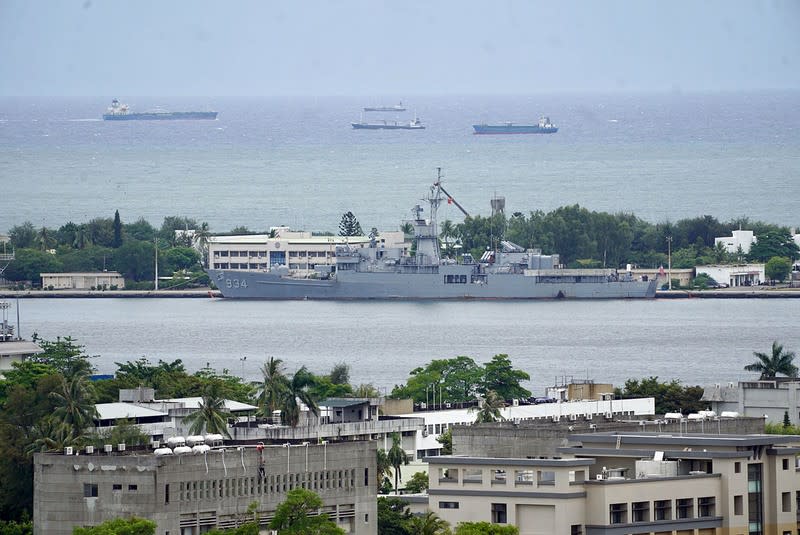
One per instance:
(300,252)
(739,240)
(769,399)
(630,483)
(202,489)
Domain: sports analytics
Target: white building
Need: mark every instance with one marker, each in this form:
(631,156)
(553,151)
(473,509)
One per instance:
(300,252)
(743,239)
(770,399)
(109,280)
(735,275)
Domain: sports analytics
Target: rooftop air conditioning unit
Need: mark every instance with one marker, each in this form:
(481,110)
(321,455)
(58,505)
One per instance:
(89,450)
(573,417)
(121,447)
(447,405)
(609,416)
(589,416)
(108,448)
(515,402)
(592,426)
(156,444)
(68,450)
(556,418)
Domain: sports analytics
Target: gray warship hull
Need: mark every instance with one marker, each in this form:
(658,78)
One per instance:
(358,285)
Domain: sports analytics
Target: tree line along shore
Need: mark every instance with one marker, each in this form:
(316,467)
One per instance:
(582,238)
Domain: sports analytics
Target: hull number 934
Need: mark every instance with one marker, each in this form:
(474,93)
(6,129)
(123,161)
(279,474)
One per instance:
(235,283)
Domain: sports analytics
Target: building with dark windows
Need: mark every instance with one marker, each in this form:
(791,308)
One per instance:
(622,483)
(188,490)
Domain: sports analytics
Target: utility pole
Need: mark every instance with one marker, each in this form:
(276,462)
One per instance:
(669,260)
(155,247)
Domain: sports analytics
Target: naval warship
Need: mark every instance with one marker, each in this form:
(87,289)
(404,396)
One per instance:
(374,272)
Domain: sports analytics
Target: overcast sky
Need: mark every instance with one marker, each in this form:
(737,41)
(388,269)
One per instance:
(404,47)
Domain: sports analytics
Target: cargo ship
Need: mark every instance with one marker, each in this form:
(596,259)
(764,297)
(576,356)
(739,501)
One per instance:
(374,272)
(414,124)
(396,107)
(121,112)
(544,127)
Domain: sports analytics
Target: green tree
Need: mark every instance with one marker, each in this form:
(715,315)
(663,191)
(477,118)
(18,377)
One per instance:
(297,388)
(502,378)
(101,231)
(23,236)
(429,524)
(171,224)
(451,380)
(774,243)
(211,415)
(340,374)
(29,264)
(298,515)
(135,260)
(669,397)
(64,355)
(120,526)
(383,468)
(780,362)
(10,527)
(273,387)
(349,225)
(446,440)
(418,483)
(139,230)
(397,457)
(117,241)
(74,404)
(778,268)
(179,258)
(407,229)
(447,232)
(485,528)
(489,408)
(394,516)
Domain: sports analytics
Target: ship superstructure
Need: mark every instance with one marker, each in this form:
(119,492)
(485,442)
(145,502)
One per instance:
(369,271)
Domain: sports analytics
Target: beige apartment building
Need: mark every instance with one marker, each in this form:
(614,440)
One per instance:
(630,483)
(300,252)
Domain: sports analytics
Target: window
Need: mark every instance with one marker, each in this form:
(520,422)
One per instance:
(685,508)
(641,511)
(90,490)
(705,506)
(737,467)
(738,505)
(576,529)
(366,477)
(499,513)
(166,493)
(448,505)
(366,518)
(785,463)
(545,477)
(663,509)
(133,487)
(116,486)
(786,502)
(618,513)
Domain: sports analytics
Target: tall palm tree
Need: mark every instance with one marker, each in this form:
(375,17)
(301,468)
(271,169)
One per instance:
(448,231)
(74,404)
(200,239)
(489,408)
(429,524)
(383,468)
(273,387)
(211,415)
(51,434)
(779,362)
(397,457)
(297,390)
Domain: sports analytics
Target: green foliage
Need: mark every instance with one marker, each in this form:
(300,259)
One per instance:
(460,379)
(16,528)
(139,230)
(394,517)
(778,268)
(446,440)
(776,242)
(294,516)
(23,236)
(397,457)
(179,258)
(779,362)
(703,281)
(250,528)
(167,232)
(383,469)
(500,377)
(29,264)
(135,260)
(418,483)
(349,225)
(781,429)
(212,415)
(786,421)
(120,526)
(485,528)
(124,432)
(117,230)
(669,397)
(489,409)
(429,524)
(298,388)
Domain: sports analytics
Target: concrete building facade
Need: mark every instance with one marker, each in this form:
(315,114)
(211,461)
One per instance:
(189,494)
(738,240)
(108,280)
(735,275)
(768,399)
(629,483)
(300,252)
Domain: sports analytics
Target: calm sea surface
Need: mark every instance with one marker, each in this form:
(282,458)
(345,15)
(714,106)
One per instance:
(698,341)
(297,162)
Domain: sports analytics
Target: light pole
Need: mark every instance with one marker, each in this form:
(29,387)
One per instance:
(669,261)
(242,359)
